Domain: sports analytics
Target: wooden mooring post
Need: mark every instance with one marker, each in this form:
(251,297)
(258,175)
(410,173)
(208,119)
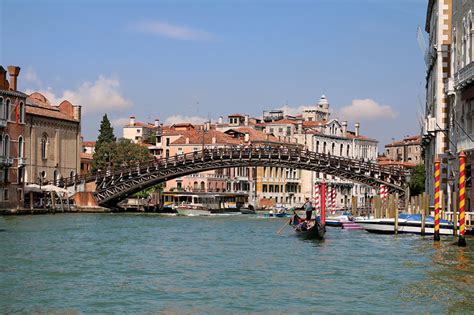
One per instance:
(423,205)
(454,205)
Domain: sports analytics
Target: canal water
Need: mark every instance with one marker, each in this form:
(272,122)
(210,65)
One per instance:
(132,263)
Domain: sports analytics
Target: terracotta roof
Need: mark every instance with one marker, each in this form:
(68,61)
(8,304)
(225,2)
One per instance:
(396,163)
(351,135)
(254,135)
(314,123)
(86,156)
(182,125)
(88,143)
(412,140)
(235,115)
(48,112)
(140,124)
(197,138)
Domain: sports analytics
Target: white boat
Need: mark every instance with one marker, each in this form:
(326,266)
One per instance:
(338,218)
(407,223)
(193,210)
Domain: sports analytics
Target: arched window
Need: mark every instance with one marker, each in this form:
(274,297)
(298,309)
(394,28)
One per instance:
(2,109)
(1,146)
(348,148)
(7,109)
(21,112)
(195,185)
(332,148)
(341,152)
(6,146)
(44,146)
(324,147)
(21,147)
(56,176)
(317,146)
(203,187)
(72,174)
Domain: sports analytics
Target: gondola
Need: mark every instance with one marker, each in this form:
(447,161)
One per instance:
(316,232)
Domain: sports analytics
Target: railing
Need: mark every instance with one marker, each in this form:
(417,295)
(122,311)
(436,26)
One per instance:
(3,123)
(235,153)
(21,161)
(464,76)
(6,160)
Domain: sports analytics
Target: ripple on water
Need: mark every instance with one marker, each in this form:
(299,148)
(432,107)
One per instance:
(147,263)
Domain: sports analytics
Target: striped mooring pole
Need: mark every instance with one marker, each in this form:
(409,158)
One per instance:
(462,202)
(436,200)
(333,199)
(316,197)
(323,203)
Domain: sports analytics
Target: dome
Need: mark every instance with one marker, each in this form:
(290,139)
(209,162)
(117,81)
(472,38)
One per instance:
(323,102)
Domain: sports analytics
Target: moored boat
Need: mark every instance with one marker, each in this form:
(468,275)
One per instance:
(337,219)
(193,210)
(407,223)
(316,231)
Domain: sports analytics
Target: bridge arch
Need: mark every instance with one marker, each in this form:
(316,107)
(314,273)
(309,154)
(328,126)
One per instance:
(116,185)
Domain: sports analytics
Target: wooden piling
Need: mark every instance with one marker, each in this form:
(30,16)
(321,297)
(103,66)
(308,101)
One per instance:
(354,205)
(454,205)
(423,202)
(443,204)
(31,201)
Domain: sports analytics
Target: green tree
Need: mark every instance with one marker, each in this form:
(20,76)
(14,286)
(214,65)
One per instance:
(104,156)
(129,153)
(417,180)
(106,133)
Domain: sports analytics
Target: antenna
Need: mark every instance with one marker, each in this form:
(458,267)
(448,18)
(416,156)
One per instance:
(421,43)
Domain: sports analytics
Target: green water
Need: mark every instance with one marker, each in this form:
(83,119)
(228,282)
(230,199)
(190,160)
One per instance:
(126,263)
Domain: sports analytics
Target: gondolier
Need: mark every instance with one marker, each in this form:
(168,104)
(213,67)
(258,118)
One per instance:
(308,207)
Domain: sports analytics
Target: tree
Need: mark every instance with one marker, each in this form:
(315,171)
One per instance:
(417,180)
(106,133)
(130,154)
(104,156)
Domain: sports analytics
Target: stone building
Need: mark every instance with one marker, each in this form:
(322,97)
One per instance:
(12,139)
(140,132)
(437,58)
(406,150)
(53,139)
(461,94)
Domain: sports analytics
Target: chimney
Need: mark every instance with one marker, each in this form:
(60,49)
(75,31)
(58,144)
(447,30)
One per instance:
(208,125)
(14,72)
(187,140)
(132,120)
(3,79)
(246,121)
(213,140)
(247,137)
(157,122)
(300,128)
(357,129)
(344,128)
(221,120)
(76,112)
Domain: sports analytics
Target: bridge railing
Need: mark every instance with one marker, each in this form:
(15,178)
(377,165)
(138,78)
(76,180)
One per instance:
(228,153)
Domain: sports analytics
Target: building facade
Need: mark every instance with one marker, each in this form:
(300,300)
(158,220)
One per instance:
(12,140)
(461,93)
(407,150)
(53,140)
(435,129)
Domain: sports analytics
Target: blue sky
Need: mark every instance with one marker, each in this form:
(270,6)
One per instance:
(199,59)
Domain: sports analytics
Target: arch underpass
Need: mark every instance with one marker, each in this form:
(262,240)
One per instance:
(115,185)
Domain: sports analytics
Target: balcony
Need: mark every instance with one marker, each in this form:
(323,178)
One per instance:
(6,161)
(465,142)
(464,76)
(21,161)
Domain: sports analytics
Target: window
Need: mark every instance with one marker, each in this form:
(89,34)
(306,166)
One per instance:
(7,110)
(288,131)
(6,146)
(22,113)
(44,146)
(167,141)
(2,109)
(5,195)
(280,130)
(138,130)
(271,130)
(203,187)
(20,147)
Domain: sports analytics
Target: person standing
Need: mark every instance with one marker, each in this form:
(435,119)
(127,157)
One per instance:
(308,207)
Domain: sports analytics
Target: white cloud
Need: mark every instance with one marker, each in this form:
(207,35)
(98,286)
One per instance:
(184,119)
(119,123)
(366,110)
(101,95)
(31,76)
(173,31)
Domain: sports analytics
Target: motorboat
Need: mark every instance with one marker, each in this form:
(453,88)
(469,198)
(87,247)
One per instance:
(338,218)
(407,223)
(193,210)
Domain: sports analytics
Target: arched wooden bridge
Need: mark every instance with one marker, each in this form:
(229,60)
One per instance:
(115,185)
